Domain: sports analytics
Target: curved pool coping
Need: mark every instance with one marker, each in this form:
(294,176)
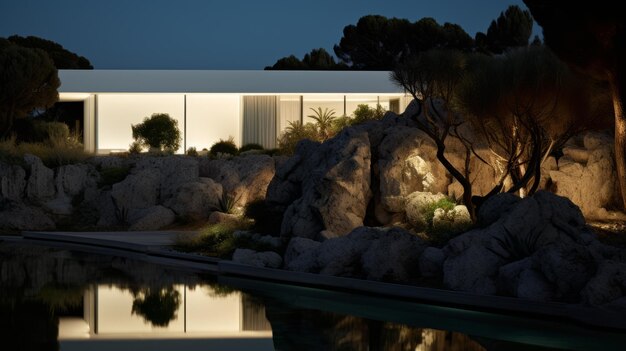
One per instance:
(163,255)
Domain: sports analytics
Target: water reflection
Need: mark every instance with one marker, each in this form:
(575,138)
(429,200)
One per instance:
(52,299)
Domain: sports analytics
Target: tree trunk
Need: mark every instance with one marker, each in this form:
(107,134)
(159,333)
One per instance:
(617,79)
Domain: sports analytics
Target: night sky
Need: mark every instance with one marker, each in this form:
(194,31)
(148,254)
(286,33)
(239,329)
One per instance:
(209,34)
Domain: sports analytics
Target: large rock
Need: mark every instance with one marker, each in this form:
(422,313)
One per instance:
(12,181)
(586,174)
(608,284)
(195,200)
(546,227)
(153,218)
(245,178)
(138,190)
(325,187)
(386,254)
(417,207)
(40,186)
(18,216)
(172,172)
(71,180)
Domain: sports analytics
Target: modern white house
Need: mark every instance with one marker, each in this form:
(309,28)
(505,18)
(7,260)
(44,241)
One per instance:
(250,106)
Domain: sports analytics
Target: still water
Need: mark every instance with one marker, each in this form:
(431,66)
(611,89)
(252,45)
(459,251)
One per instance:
(52,299)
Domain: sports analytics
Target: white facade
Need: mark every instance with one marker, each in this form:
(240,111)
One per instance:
(250,106)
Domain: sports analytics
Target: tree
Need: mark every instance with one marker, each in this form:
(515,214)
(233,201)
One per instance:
(159,131)
(379,43)
(591,38)
(317,59)
(433,77)
(28,81)
(62,58)
(523,105)
(511,29)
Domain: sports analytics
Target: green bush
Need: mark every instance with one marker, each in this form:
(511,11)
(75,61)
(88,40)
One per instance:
(224,147)
(445,204)
(216,240)
(159,131)
(250,146)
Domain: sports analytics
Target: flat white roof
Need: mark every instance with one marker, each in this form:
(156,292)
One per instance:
(244,82)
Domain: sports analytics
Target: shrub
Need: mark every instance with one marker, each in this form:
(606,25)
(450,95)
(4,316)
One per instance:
(250,146)
(228,202)
(192,151)
(364,113)
(159,131)
(224,147)
(323,121)
(217,240)
(52,153)
(135,148)
(445,204)
(295,132)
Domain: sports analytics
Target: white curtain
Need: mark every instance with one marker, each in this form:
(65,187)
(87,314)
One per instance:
(259,120)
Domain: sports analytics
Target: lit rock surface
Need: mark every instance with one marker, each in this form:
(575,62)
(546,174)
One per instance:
(195,200)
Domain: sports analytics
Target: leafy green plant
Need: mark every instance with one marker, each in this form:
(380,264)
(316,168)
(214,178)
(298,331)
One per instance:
(250,146)
(445,204)
(159,131)
(227,147)
(323,121)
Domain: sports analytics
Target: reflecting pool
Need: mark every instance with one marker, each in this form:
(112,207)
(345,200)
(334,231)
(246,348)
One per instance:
(53,299)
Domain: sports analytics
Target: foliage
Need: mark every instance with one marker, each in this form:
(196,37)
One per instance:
(510,30)
(317,59)
(379,43)
(157,305)
(54,152)
(590,37)
(250,146)
(192,151)
(294,133)
(159,131)
(429,213)
(113,175)
(364,113)
(62,58)
(524,105)
(323,121)
(227,147)
(228,202)
(216,240)
(61,298)
(135,148)
(267,218)
(28,81)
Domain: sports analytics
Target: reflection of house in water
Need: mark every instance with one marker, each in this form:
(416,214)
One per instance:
(201,314)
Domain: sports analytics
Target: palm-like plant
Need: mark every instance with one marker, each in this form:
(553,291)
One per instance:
(324,121)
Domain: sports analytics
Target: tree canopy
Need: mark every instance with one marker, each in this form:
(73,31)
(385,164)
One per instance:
(159,131)
(591,38)
(317,59)
(511,29)
(28,81)
(62,58)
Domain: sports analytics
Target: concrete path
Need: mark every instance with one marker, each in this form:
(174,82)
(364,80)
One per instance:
(135,241)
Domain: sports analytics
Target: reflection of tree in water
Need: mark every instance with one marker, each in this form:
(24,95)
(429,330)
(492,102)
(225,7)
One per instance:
(156,305)
(300,329)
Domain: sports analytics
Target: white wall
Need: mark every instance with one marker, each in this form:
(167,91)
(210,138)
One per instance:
(117,112)
(211,117)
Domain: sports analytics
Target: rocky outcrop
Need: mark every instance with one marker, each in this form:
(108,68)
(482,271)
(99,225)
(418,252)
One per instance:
(195,200)
(267,259)
(586,175)
(152,218)
(363,253)
(325,187)
(244,178)
(539,248)
(40,184)
(18,216)
(12,181)
(139,190)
